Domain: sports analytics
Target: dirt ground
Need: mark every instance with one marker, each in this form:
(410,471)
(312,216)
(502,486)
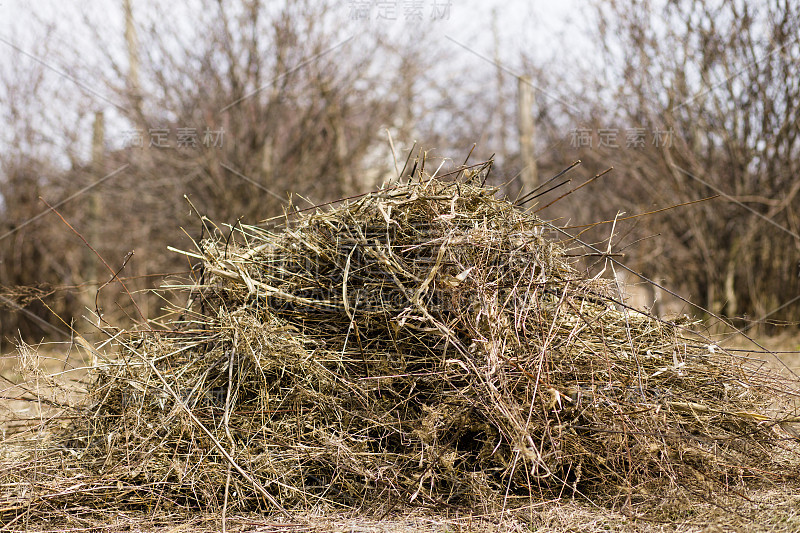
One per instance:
(786,347)
(778,511)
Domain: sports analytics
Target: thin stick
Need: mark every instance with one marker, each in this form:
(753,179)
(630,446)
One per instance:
(593,224)
(554,187)
(463,165)
(138,310)
(39,320)
(225,501)
(394,154)
(410,152)
(115,276)
(524,199)
(582,185)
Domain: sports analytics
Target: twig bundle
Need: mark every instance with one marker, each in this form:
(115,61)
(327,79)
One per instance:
(428,343)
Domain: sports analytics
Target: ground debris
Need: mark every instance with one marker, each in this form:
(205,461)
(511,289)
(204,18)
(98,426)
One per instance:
(428,344)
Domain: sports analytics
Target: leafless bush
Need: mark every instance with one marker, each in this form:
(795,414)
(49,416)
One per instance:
(251,108)
(714,92)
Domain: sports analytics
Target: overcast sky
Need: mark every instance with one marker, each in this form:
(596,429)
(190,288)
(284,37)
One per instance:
(543,29)
(540,27)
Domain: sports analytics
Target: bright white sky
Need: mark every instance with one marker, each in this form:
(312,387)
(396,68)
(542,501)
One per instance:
(544,29)
(524,25)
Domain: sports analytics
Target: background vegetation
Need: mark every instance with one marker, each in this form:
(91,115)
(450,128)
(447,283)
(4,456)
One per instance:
(247,107)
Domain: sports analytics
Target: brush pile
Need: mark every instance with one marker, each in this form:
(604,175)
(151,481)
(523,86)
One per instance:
(428,343)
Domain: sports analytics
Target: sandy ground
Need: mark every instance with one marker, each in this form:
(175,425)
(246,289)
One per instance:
(35,378)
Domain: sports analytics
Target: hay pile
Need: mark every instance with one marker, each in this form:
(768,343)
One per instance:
(427,343)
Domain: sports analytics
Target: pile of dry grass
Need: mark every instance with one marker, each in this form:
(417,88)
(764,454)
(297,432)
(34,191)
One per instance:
(427,343)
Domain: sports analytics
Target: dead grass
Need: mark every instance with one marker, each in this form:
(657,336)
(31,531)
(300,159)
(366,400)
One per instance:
(777,512)
(426,350)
